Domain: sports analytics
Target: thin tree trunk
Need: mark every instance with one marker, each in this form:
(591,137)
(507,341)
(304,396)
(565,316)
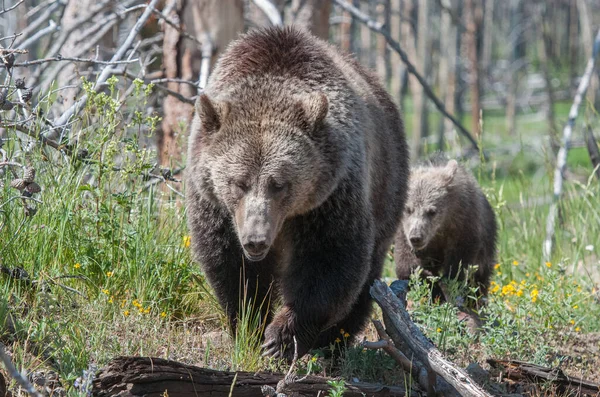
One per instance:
(420,129)
(544,64)
(313,15)
(214,21)
(587,39)
(447,70)
(387,53)
(396,75)
(355,29)
(470,10)
(488,36)
(573,39)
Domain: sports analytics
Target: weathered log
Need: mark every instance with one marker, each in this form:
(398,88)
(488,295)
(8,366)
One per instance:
(145,376)
(423,349)
(523,371)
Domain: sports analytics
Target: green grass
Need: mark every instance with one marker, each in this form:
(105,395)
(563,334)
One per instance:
(109,268)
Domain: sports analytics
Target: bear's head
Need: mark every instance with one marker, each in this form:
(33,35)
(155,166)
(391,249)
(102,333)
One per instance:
(262,161)
(427,208)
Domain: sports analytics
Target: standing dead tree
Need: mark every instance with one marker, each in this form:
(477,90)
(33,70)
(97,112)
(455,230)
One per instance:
(380,28)
(561,160)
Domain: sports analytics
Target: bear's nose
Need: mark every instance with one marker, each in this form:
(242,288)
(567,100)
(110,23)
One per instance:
(256,245)
(416,240)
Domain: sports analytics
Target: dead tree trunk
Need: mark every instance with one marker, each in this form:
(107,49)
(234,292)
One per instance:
(420,127)
(561,159)
(313,15)
(471,17)
(214,22)
(447,69)
(145,376)
(543,53)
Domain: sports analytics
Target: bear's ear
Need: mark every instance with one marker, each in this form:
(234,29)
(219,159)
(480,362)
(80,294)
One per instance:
(316,107)
(450,170)
(211,114)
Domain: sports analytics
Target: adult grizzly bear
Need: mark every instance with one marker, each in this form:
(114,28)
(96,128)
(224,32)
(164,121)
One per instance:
(448,227)
(296,180)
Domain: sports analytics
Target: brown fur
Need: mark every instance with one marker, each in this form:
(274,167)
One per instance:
(448,226)
(296,158)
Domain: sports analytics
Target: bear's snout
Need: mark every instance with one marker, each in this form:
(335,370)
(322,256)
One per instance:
(256,247)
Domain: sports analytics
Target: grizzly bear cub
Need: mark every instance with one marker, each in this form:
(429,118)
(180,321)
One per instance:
(448,227)
(295,184)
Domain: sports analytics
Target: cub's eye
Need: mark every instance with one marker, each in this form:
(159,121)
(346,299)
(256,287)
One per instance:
(277,187)
(408,210)
(430,212)
(241,185)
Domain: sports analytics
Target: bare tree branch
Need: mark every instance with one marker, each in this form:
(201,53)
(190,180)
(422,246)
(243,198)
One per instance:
(21,380)
(72,59)
(5,10)
(561,158)
(380,28)
(65,117)
(270,11)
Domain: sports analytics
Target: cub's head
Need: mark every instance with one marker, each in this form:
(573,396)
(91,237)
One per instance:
(426,208)
(262,161)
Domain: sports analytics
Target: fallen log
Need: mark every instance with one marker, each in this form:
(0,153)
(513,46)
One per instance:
(400,326)
(523,371)
(145,376)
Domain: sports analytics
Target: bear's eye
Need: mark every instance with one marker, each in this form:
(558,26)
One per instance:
(431,212)
(408,210)
(277,187)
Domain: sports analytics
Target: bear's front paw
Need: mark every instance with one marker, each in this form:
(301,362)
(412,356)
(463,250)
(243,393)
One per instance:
(280,340)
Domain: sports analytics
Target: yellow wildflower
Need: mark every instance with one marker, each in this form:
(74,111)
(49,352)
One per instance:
(578,329)
(136,303)
(520,292)
(508,289)
(439,330)
(496,266)
(313,359)
(126,313)
(109,274)
(515,263)
(186,241)
(572,322)
(105,291)
(163,314)
(495,287)
(575,306)
(110,300)
(534,295)
(346,335)
(578,288)
(527,274)
(548,264)
(77,265)
(337,340)
(147,310)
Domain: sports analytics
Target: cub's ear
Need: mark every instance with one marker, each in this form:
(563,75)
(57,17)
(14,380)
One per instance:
(450,170)
(316,107)
(211,113)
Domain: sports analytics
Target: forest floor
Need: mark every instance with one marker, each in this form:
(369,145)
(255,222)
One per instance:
(103,269)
